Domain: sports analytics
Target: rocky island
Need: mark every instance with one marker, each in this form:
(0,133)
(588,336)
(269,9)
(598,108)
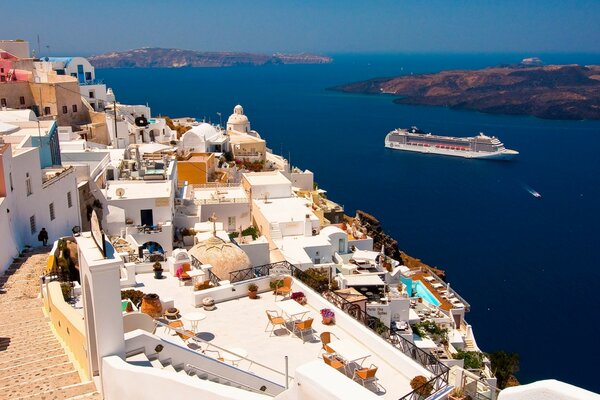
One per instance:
(551,91)
(176,58)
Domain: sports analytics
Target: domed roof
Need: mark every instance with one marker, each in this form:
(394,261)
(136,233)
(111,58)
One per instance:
(238,109)
(238,116)
(225,257)
(204,131)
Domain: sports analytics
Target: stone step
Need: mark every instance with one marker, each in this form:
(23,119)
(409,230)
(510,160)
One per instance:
(41,386)
(39,349)
(27,374)
(88,396)
(20,304)
(36,364)
(30,357)
(8,315)
(74,391)
(15,340)
(20,324)
(26,331)
(25,346)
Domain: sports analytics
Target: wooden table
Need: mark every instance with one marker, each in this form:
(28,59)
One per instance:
(292,309)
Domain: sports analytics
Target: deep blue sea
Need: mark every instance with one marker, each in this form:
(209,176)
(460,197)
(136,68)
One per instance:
(529,267)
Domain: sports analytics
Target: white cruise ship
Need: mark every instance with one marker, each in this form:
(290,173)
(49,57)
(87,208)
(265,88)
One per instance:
(480,146)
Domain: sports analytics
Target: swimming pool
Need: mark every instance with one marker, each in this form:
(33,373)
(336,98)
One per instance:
(420,290)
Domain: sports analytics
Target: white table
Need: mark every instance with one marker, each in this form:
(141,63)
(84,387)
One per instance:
(194,274)
(349,351)
(292,309)
(194,317)
(233,358)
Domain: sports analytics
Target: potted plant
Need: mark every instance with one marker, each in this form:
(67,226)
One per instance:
(158,270)
(458,393)
(421,386)
(252,290)
(299,297)
(328,316)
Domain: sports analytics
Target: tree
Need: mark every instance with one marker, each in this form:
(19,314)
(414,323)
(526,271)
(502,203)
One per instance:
(504,366)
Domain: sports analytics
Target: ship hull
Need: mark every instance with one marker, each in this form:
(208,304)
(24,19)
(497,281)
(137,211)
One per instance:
(499,155)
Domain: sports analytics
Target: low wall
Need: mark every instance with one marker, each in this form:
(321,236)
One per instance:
(69,325)
(547,390)
(122,380)
(230,291)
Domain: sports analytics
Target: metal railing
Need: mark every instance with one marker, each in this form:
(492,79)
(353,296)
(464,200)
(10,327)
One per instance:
(211,276)
(261,390)
(241,357)
(256,272)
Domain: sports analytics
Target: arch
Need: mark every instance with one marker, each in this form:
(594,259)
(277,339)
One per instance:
(153,247)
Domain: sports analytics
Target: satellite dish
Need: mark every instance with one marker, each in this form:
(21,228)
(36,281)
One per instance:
(120,192)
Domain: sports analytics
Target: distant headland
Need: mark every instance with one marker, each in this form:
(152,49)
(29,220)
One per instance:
(176,58)
(550,92)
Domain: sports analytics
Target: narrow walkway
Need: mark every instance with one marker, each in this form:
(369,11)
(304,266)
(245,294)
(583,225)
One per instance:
(33,363)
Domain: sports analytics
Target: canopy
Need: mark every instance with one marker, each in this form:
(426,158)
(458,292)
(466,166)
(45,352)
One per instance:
(363,280)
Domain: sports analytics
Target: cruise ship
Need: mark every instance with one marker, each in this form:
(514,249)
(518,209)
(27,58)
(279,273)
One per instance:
(480,146)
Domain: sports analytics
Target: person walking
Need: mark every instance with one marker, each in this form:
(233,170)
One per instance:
(43,236)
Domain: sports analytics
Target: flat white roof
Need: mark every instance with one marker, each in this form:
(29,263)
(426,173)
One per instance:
(266,178)
(233,193)
(138,190)
(290,209)
(363,279)
(365,255)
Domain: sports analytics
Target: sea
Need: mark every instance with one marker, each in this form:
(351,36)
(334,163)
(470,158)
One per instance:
(529,267)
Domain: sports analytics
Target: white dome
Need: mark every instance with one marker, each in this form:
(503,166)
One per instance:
(205,131)
(237,119)
(238,109)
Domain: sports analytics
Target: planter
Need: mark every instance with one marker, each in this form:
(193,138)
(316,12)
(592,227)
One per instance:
(252,294)
(327,320)
(208,303)
(453,397)
(151,305)
(158,273)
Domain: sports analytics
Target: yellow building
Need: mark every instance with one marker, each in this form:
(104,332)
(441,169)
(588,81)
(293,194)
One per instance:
(196,168)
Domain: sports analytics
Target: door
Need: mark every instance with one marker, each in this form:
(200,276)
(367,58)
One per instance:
(146,217)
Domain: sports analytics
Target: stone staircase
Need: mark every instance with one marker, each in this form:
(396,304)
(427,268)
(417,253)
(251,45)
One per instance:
(140,359)
(33,363)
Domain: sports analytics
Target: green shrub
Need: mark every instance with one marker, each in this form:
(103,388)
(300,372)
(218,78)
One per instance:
(473,359)
(134,295)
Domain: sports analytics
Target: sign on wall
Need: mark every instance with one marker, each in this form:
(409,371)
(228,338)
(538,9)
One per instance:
(281,269)
(97,233)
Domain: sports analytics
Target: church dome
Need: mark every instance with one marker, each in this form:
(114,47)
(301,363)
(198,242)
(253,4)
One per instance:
(225,257)
(238,116)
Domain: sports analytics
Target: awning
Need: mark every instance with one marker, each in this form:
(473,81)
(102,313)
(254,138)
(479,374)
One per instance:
(424,343)
(363,280)
(365,255)
(152,148)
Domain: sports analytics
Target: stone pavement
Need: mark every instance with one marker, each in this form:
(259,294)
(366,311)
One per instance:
(33,363)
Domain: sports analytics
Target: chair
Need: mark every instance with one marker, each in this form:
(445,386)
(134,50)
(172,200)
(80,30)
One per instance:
(214,354)
(182,273)
(333,362)
(186,335)
(285,289)
(366,375)
(303,327)
(178,324)
(274,319)
(325,340)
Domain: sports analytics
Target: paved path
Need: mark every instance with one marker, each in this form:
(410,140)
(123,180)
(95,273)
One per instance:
(33,363)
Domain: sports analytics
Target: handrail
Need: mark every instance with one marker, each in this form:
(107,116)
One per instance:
(197,339)
(231,380)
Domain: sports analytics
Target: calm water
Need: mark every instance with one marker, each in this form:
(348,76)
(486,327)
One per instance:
(529,267)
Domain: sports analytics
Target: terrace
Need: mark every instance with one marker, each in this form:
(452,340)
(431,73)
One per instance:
(238,324)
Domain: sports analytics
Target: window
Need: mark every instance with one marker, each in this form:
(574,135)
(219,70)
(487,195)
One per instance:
(22,100)
(74,74)
(74,107)
(88,76)
(51,208)
(32,224)
(65,109)
(1,70)
(28,184)
(46,110)
(3,102)
(2,78)
(231,223)
(10,180)
(69,200)
(91,94)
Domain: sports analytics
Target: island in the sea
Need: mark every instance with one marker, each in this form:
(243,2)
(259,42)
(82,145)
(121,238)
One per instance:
(551,91)
(152,57)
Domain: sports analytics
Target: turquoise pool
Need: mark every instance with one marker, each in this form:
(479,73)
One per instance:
(420,290)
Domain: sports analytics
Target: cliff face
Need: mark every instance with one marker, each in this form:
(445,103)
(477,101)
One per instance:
(553,91)
(175,58)
(390,245)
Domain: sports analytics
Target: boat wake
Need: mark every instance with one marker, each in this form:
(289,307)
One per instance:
(531,191)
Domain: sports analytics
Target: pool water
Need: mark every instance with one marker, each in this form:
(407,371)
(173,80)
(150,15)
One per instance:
(419,290)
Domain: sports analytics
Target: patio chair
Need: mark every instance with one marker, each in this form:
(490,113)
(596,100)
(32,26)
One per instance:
(182,274)
(178,324)
(303,327)
(285,289)
(186,335)
(274,320)
(366,375)
(214,354)
(325,340)
(333,361)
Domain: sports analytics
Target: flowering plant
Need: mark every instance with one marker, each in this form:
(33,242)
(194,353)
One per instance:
(297,295)
(327,313)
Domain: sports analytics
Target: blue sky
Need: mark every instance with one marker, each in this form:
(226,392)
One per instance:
(84,27)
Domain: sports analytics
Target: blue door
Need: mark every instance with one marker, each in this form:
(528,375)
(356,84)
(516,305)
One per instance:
(80,74)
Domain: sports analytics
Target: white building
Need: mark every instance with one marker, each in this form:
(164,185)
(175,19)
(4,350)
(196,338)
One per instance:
(205,138)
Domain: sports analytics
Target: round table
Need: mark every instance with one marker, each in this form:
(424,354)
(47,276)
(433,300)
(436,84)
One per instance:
(194,317)
(233,358)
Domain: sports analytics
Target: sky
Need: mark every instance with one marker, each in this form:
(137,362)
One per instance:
(67,27)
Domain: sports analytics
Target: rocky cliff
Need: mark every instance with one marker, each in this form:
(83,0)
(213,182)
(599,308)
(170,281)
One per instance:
(552,91)
(176,58)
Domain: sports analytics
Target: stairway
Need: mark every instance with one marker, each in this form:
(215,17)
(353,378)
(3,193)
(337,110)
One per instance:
(142,360)
(33,363)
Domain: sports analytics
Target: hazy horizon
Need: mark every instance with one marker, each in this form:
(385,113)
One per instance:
(337,27)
